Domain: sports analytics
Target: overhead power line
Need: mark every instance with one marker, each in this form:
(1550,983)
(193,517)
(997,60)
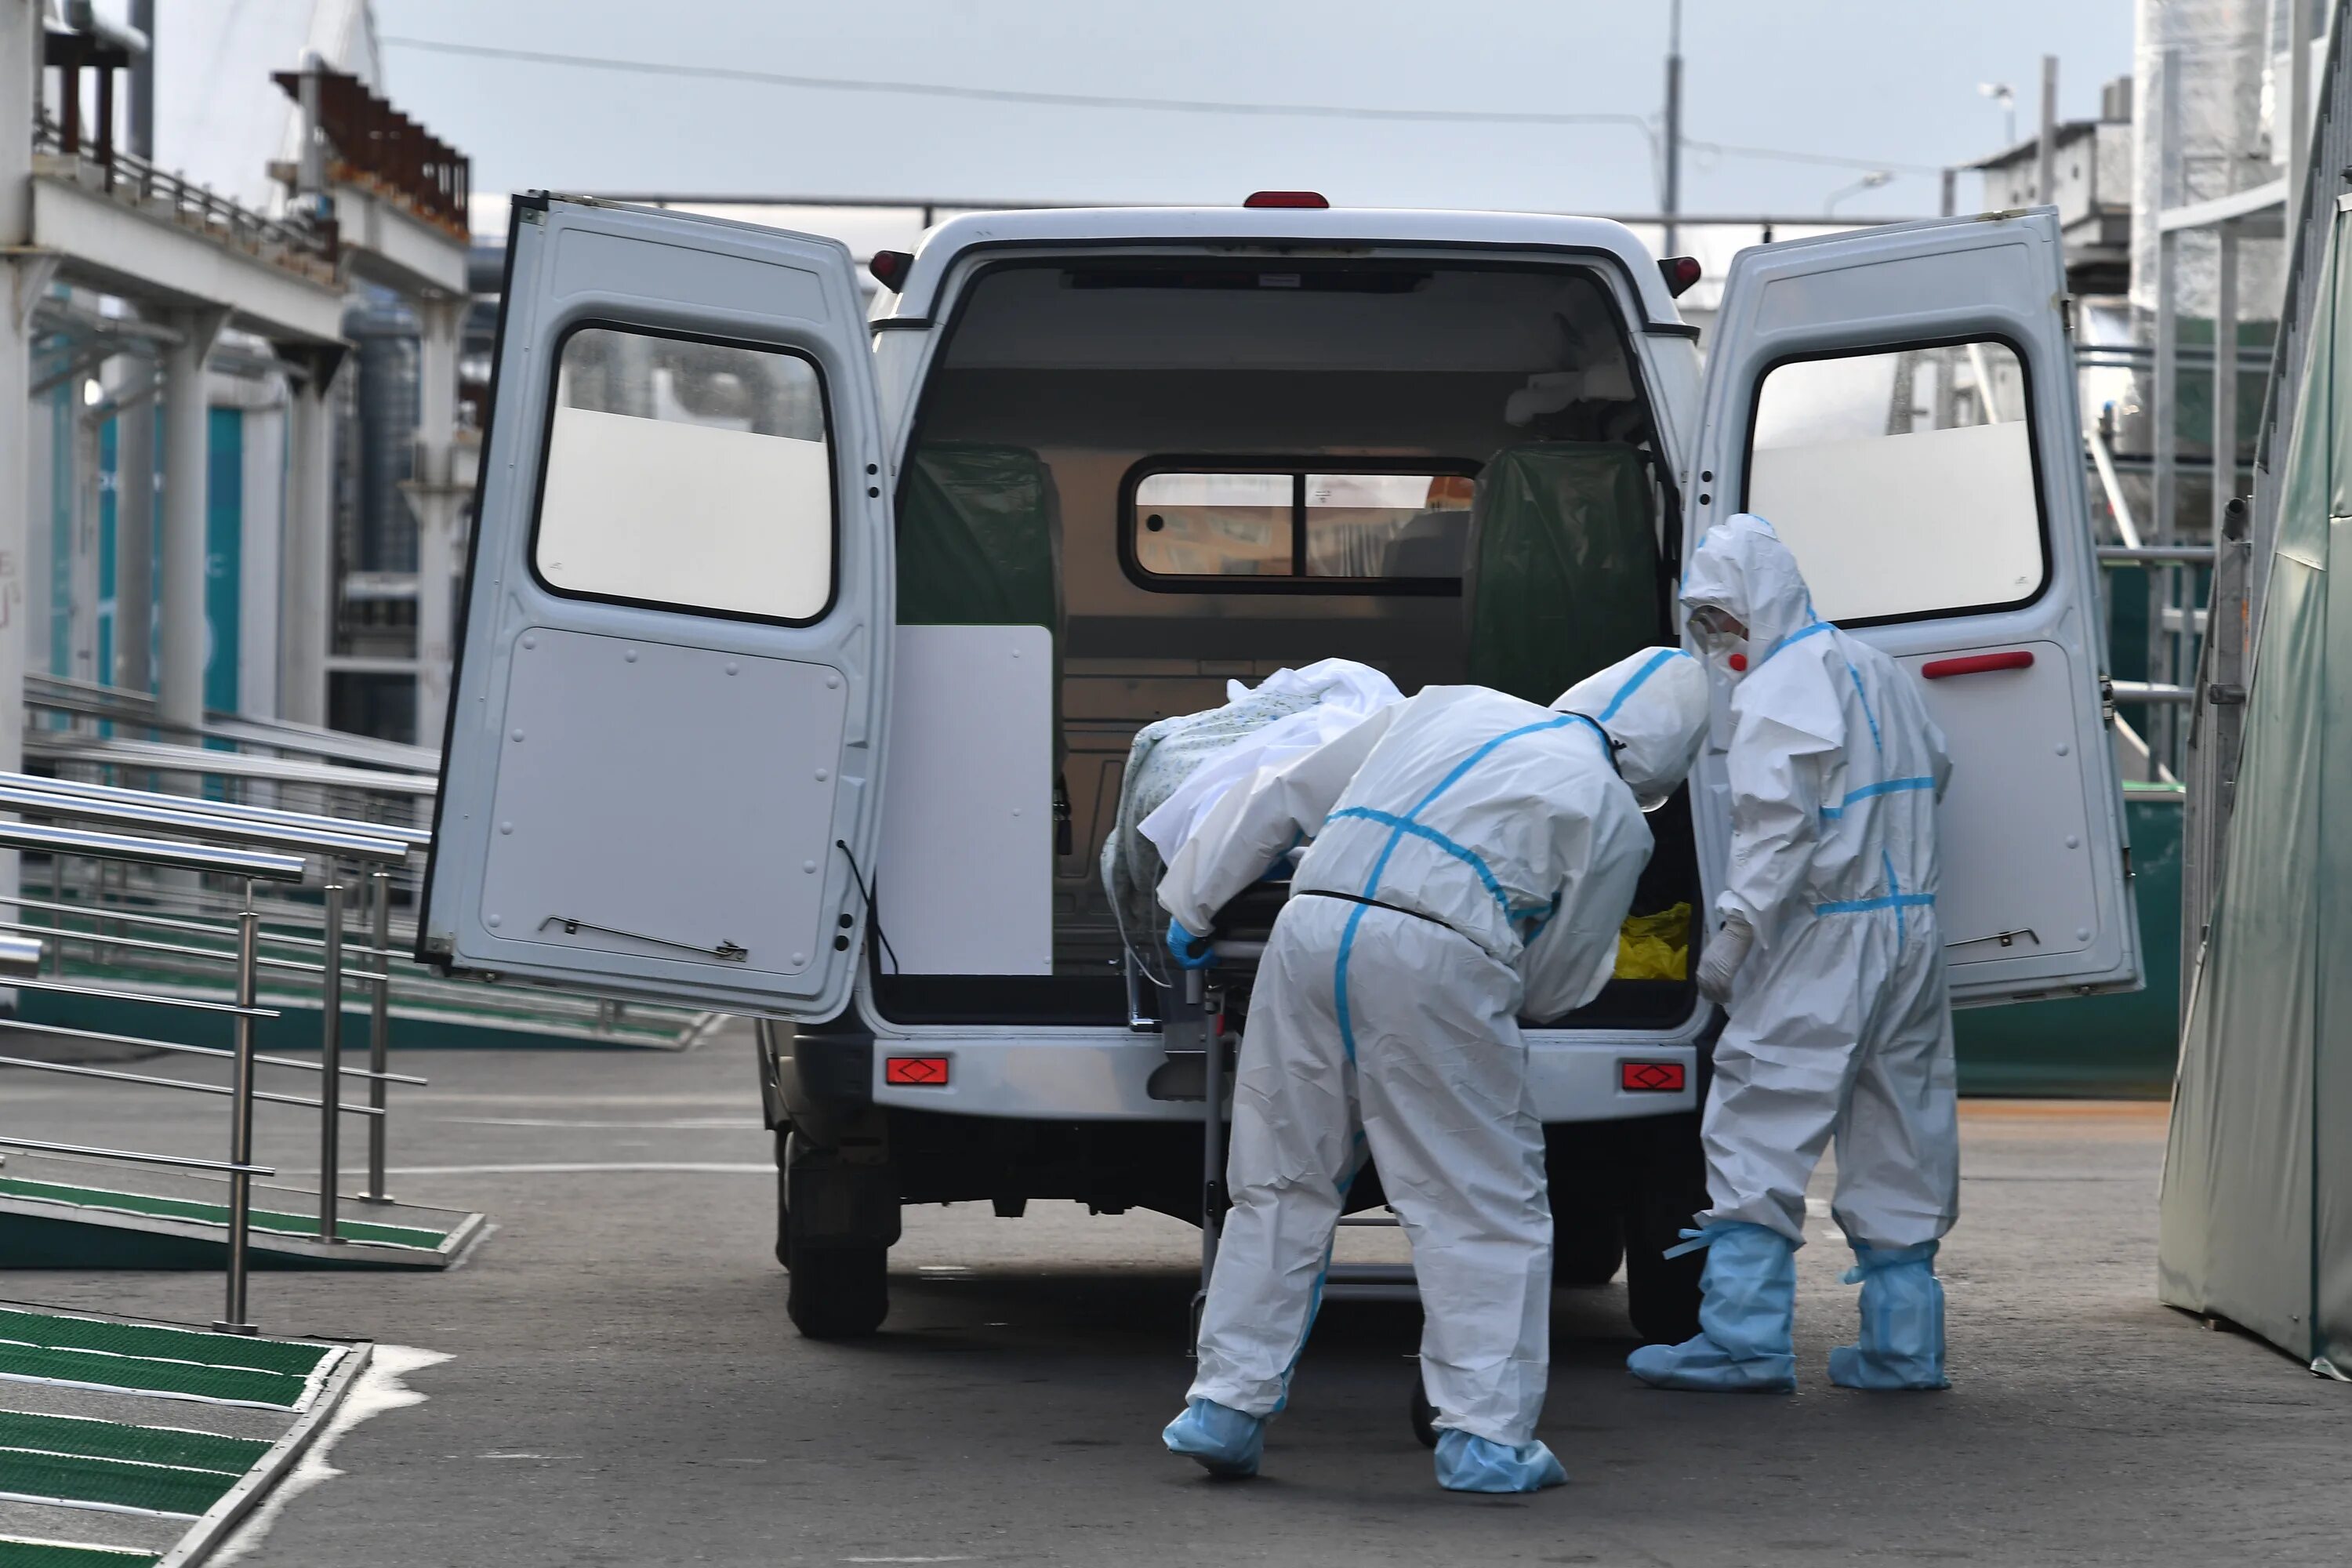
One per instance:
(1107,101)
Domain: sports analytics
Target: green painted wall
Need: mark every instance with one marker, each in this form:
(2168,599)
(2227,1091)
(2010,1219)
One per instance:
(2120,1046)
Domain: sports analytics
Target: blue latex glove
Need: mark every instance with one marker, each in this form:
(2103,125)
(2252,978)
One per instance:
(1189,952)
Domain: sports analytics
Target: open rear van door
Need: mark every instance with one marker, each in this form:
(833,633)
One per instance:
(1899,404)
(662,769)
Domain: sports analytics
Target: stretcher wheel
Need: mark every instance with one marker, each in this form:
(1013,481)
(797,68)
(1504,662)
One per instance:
(1425,1416)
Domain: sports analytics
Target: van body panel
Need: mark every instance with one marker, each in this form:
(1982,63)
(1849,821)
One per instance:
(1920,375)
(663,775)
(1099,1075)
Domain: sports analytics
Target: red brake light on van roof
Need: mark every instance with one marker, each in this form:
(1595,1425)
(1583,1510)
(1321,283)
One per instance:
(889,267)
(1681,272)
(1287,199)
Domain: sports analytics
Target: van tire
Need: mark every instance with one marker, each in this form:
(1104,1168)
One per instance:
(1588,1247)
(1662,1295)
(783,1199)
(1665,1187)
(837,1293)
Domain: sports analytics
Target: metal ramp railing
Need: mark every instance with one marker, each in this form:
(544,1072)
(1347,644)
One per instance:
(222,854)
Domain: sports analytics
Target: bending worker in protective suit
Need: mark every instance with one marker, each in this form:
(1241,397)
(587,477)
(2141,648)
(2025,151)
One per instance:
(1840,1027)
(1472,858)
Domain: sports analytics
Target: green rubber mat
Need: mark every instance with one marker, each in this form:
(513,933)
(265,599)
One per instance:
(242,1386)
(55,1332)
(218,1214)
(16,1554)
(113,1440)
(119,1483)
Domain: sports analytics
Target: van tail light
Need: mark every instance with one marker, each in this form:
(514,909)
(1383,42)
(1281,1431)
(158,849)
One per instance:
(1978,664)
(1680,272)
(1287,199)
(1653,1078)
(915,1073)
(889,268)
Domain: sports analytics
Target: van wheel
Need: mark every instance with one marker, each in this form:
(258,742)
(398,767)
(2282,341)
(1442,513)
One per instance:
(1662,1295)
(783,1200)
(1587,1247)
(1666,1187)
(837,1293)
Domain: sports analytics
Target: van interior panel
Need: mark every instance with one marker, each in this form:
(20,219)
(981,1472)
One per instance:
(1529,549)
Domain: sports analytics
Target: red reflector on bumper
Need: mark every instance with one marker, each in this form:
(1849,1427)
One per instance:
(1652,1077)
(915,1073)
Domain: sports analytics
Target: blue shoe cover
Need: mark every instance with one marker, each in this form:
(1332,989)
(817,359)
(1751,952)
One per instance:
(1469,1463)
(1745,1318)
(1902,1320)
(1219,1438)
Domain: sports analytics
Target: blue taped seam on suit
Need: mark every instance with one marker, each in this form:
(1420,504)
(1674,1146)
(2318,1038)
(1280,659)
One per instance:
(1483,752)
(1894,888)
(1634,685)
(1884,786)
(1799,634)
(1893,901)
(1867,716)
(1399,826)
(1419,830)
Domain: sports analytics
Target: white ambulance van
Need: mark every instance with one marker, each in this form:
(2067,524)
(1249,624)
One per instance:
(802,652)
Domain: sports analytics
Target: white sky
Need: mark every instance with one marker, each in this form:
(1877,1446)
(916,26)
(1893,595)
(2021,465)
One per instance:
(1883,81)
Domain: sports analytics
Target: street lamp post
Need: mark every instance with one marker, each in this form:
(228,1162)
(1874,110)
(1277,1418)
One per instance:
(1869,182)
(2000,92)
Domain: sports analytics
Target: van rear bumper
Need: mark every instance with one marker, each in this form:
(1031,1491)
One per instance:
(1101,1076)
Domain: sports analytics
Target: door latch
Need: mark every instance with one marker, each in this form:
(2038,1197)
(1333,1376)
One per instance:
(733,953)
(2006,939)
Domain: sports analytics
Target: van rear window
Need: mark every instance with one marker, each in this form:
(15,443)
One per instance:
(1307,527)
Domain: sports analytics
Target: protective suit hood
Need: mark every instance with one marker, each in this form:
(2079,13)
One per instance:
(1652,706)
(1742,567)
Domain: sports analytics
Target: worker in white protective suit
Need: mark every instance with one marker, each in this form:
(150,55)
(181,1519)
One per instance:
(1839,1024)
(1472,857)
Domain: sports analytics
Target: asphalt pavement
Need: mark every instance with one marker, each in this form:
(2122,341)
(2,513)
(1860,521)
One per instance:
(621,1385)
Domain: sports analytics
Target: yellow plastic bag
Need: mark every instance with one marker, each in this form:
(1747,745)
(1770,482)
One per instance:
(1656,947)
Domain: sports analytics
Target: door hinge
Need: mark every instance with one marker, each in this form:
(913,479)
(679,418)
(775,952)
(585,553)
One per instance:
(2222,694)
(2107,702)
(733,953)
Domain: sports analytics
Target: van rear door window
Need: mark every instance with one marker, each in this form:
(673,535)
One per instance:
(1303,529)
(1902,479)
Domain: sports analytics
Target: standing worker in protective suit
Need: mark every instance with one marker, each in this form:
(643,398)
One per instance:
(1841,1026)
(1472,858)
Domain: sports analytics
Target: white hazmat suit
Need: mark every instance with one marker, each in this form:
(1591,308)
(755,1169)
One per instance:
(1472,857)
(1839,1025)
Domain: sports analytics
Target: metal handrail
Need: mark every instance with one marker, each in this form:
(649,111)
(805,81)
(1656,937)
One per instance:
(250,867)
(42,1146)
(141,945)
(415,838)
(75,1069)
(168,922)
(215,214)
(28,802)
(240,1012)
(156,757)
(62,694)
(182,1048)
(253,865)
